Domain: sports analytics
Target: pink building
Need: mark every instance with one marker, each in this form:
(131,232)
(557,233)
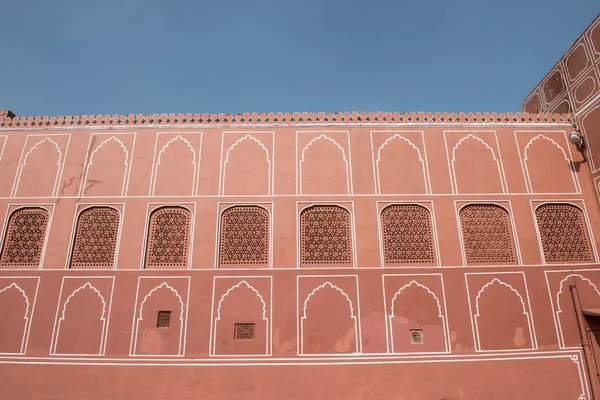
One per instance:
(302,256)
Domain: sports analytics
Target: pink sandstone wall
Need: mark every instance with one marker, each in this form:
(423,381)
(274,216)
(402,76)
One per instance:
(332,244)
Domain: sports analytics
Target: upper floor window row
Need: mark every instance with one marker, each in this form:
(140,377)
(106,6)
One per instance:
(323,165)
(326,236)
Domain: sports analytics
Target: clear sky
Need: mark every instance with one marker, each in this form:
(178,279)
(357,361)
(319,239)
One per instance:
(146,56)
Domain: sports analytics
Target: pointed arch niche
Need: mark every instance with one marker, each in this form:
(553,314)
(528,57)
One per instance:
(152,334)
(17,302)
(475,162)
(82,316)
(415,309)
(176,164)
(241,308)
(589,296)
(108,165)
(500,312)
(324,165)
(329,315)
(247,163)
(41,165)
(400,162)
(547,162)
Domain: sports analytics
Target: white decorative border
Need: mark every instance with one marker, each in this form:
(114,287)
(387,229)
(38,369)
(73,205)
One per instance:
(30,308)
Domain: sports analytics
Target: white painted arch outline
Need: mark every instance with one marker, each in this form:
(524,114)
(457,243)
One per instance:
(264,317)
(86,286)
(14,286)
(24,163)
(470,136)
(166,286)
(325,137)
(411,144)
(414,283)
(352,315)
(126,163)
(558,306)
(523,305)
(233,146)
(158,162)
(569,162)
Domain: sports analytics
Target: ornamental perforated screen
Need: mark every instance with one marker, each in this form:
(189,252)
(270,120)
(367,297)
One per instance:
(96,238)
(244,236)
(325,235)
(243,331)
(24,237)
(563,233)
(487,235)
(407,235)
(168,238)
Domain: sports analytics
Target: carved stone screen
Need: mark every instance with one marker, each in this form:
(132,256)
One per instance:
(325,236)
(407,235)
(487,235)
(96,238)
(24,238)
(244,236)
(168,238)
(563,233)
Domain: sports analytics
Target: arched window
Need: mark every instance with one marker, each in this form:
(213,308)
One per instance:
(168,238)
(244,236)
(407,235)
(487,235)
(325,236)
(96,238)
(24,237)
(563,233)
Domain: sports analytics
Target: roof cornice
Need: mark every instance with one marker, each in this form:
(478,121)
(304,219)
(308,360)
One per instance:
(284,118)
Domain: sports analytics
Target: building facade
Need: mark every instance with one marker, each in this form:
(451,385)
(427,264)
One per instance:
(298,256)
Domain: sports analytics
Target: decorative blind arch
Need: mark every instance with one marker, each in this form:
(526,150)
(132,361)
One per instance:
(325,235)
(244,237)
(96,238)
(487,235)
(168,238)
(407,235)
(24,237)
(563,233)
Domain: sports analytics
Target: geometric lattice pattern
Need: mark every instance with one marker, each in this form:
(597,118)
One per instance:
(244,236)
(407,235)
(168,238)
(325,235)
(487,237)
(96,238)
(24,237)
(416,336)
(563,233)
(244,331)
(164,319)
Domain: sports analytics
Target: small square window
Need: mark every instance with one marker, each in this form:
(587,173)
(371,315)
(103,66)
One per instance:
(244,331)
(164,319)
(416,336)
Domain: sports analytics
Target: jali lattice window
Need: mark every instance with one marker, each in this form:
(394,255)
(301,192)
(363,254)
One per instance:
(168,238)
(244,236)
(487,235)
(24,237)
(96,238)
(244,331)
(416,336)
(407,235)
(164,319)
(325,236)
(563,233)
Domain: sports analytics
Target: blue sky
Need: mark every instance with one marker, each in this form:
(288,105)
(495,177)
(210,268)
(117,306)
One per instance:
(132,56)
